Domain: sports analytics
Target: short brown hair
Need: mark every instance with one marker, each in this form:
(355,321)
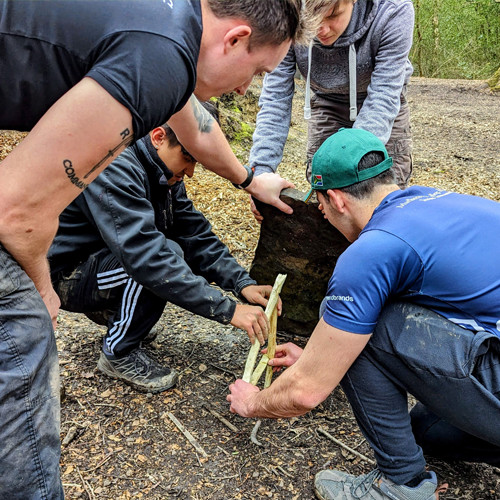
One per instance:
(272,21)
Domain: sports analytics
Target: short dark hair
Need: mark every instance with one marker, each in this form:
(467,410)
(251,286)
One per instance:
(172,138)
(272,21)
(365,188)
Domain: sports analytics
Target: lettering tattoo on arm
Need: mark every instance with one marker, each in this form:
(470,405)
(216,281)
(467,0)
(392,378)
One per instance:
(203,117)
(127,139)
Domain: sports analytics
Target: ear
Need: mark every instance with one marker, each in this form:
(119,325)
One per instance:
(337,199)
(236,36)
(157,135)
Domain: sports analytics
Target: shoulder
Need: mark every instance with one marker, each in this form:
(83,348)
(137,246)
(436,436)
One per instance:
(395,8)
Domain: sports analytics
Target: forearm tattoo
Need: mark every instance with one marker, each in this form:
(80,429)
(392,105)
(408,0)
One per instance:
(203,117)
(127,138)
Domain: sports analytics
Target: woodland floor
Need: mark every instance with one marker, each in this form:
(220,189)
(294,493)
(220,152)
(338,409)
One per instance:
(126,446)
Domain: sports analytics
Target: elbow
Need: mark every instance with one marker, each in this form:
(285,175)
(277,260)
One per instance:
(308,395)
(307,401)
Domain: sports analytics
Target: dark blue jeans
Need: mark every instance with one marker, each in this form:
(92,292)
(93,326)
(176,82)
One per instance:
(29,390)
(453,372)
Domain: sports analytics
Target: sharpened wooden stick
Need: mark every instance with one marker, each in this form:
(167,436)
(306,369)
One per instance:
(251,358)
(271,347)
(271,305)
(259,370)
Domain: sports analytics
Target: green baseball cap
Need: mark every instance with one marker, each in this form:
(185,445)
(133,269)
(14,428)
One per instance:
(335,164)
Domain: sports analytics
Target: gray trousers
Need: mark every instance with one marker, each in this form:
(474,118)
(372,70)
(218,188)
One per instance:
(328,117)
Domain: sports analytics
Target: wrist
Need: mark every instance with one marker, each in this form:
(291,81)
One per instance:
(250,406)
(246,182)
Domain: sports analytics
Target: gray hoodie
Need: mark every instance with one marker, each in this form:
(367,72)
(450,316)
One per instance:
(379,38)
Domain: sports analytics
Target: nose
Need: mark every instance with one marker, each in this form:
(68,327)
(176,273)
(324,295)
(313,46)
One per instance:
(323,29)
(242,89)
(190,170)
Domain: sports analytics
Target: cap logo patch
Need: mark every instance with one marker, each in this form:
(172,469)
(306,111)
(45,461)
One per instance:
(317,181)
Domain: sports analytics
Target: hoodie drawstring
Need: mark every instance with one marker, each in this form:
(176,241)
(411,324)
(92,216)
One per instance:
(353,105)
(307,105)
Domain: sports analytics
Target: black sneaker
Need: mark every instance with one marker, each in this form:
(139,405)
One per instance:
(138,370)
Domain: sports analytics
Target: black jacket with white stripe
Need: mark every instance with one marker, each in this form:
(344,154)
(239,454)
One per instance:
(132,210)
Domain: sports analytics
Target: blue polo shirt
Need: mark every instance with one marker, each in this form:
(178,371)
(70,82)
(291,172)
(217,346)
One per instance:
(143,52)
(434,248)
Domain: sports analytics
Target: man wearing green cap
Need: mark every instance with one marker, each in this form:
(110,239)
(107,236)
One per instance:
(413,306)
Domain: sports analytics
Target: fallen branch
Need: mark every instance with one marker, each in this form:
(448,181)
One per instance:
(72,433)
(187,435)
(253,435)
(271,305)
(86,486)
(340,443)
(226,422)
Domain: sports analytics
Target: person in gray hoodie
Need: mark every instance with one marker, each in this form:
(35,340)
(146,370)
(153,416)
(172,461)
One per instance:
(358,69)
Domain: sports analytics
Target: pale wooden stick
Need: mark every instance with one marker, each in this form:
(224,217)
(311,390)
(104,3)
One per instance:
(271,347)
(271,304)
(251,358)
(259,370)
(340,443)
(188,435)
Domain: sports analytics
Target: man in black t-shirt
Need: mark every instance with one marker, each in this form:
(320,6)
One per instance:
(88,78)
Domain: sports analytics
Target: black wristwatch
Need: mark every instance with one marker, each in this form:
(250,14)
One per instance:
(247,181)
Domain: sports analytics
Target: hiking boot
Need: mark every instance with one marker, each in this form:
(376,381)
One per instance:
(138,370)
(336,485)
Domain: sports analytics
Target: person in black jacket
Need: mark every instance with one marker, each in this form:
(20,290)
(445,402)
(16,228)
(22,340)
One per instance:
(133,241)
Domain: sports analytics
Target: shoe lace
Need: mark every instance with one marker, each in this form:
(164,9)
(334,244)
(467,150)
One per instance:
(362,484)
(136,365)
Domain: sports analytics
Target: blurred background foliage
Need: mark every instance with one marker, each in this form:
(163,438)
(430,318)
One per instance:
(456,38)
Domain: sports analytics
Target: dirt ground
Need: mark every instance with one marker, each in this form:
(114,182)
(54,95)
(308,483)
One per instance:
(123,444)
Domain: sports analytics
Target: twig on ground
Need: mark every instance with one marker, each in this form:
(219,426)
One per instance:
(86,486)
(226,422)
(70,436)
(223,451)
(187,435)
(283,471)
(348,448)
(101,463)
(253,435)
(225,370)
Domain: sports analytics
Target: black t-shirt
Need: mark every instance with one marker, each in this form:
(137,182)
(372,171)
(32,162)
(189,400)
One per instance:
(143,52)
